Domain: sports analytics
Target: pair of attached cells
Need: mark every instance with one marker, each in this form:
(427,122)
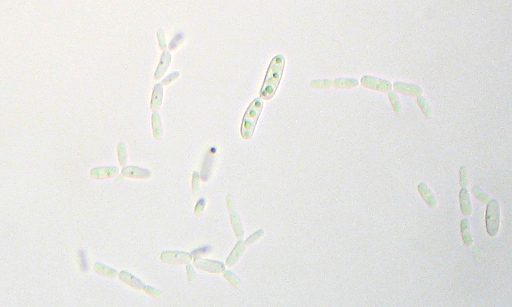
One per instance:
(126,278)
(203,175)
(268,89)
(129,171)
(158,90)
(380,85)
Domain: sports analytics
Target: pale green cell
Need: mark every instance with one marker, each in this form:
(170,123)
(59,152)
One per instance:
(481,195)
(254,237)
(170,78)
(465,202)
(234,218)
(345,83)
(232,278)
(195,182)
(122,154)
(135,172)
(236,253)
(407,89)
(156,125)
(209,265)
(320,83)
(104,270)
(162,42)
(427,195)
(191,273)
(152,291)
(104,172)
(176,257)
(463,177)
(395,102)
(272,77)
(163,64)
(465,231)
(131,280)
(199,207)
(492,217)
(250,119)
(208,162)
(422,103)
(376,84)
(157,97)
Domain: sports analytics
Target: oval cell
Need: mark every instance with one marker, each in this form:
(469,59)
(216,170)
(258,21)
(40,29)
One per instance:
(122,155)
(422,103)
(407,89)
(104,172)
(492,217)
(162,42)
(465,202)
(170,78)
(232,278)
(135,172)
(254,237)
(163,64)
(376,84)
(104,270)
(463,177)
(131,280)
(465,231)
(208,161)
(395,102)
(175,257)
(152,291)
(199,207)
(209,265)
(427,195)
(320,83)
(157,97)
(345,83)
(156,125)
(236,253)
(250,119)
(481,195)
(272,77)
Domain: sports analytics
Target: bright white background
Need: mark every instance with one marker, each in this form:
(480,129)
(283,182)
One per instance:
(330,175)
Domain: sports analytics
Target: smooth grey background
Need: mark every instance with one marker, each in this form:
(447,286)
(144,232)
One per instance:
(330,175)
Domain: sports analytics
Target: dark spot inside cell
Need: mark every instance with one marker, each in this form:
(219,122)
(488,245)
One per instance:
(213,150)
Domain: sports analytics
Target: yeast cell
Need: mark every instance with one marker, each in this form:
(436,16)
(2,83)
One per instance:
(234,218)
(198,252)
(209,265)
(131,280)
(176,41)
(254,237)
(427,195)
(135,172)
(481,194)
(492,217)
(170,78)
(463,177)
(156,125)
(232,278)
(195,182)
(465,202)
(199,207)
(162,42)
(157,97)
(104,172)
(272,77)
(345,83)
(191,273)
(395,102)
(407,89)
(236,253)
(422,103)
(163,64)
(208,162)
(465,231)
(84,264)
(250,119)
(152,291)
(122,155)
(175,257)
(376,84)
(320,83)
(104,270)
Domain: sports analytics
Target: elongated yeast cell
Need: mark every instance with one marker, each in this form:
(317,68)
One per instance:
(395,102)
(84,264)
(492,217)
(427,195)
(135,172)
(156,125)
(104,270)
(234,218)
(198,252)
(250,119)
(272,78)
(176,41)
(236,253)
(170,78)
(131,280)
(175,257)
(481,194)
(232,278)
(104,172)
(320,83)
(463,177)
(199,207)
(376,84)
(157,97)
(163,64)
(422,103)
(152,291)
(191,272)
(209,265)
(465,231)
(254,237)
(208,162)
(162,42)
(345,83)
(465,202)
(407,89)
(122,155)
(195,182)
